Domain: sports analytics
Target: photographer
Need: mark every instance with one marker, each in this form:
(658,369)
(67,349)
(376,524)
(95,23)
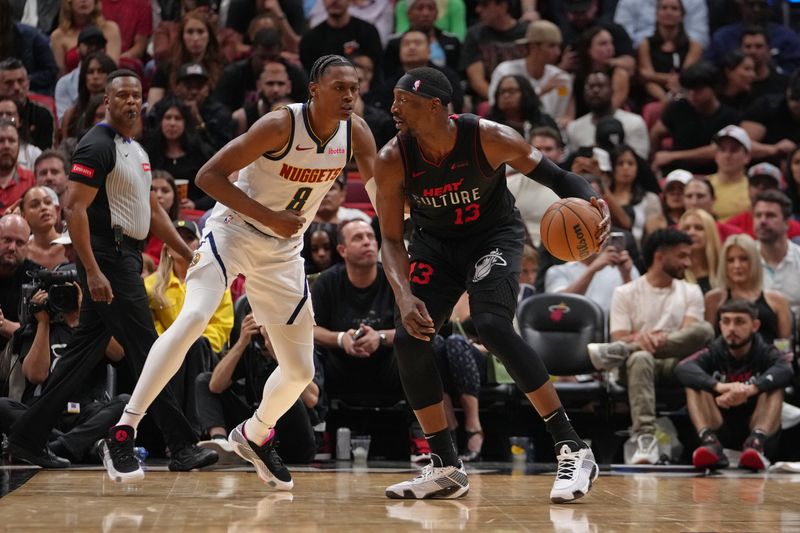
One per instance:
(49,320)
(222,404)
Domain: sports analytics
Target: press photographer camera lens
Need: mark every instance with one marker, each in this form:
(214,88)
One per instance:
(62,296)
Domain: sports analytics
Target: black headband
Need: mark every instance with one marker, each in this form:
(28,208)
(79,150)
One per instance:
(428,88)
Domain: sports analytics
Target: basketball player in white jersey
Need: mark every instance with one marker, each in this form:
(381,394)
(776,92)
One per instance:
(288,160)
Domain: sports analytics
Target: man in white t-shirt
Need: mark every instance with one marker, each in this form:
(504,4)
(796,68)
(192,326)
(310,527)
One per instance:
(656,321)
(552,85)
(597,94)
(596,277)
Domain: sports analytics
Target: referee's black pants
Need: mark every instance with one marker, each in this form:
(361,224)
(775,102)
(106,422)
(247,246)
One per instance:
(127,318)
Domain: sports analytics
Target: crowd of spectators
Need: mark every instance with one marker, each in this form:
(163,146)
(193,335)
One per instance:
(683,114)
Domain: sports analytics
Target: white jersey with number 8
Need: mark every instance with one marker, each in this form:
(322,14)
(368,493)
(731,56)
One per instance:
(298,175)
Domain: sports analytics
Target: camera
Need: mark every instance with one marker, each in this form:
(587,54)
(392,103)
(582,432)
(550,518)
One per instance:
(62,296)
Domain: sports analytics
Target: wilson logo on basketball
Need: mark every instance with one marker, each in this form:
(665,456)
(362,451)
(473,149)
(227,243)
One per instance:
(77,168)
(582,247)
(558,311)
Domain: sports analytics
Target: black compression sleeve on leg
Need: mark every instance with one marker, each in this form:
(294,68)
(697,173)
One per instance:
(522,363)
(564,184)
(418,372)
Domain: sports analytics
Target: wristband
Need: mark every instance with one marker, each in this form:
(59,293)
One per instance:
(340,339)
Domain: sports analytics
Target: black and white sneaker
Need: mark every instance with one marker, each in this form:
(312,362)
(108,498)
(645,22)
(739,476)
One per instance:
(268,463)
(191,457)
(117,454)
(576,472)
(440,482)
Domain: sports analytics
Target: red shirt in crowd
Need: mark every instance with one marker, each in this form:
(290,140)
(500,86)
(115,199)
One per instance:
(22,180)
(744,221)
(134,17)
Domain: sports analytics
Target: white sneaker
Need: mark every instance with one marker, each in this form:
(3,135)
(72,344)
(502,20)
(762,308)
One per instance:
(227,456)
(445,482)
(646,450)
(576,472)
(607,356)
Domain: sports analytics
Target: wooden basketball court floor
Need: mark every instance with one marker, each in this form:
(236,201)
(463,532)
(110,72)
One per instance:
(351,499)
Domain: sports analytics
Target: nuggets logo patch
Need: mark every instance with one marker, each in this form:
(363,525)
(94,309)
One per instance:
(484,265)
(195,259)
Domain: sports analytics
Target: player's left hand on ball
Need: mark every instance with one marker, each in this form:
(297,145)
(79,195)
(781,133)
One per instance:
(604,228)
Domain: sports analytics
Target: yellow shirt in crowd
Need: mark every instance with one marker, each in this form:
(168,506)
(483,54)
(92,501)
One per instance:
(219,328)
(732,198)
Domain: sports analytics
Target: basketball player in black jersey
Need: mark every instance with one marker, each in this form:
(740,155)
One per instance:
(468,236)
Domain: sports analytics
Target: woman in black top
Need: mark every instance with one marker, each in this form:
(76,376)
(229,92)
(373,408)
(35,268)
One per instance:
(174,146)
(736,85)
(663,55)
(741,276)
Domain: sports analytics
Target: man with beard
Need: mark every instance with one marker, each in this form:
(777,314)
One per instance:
(782,39)
(445,47)
(597,94)
(50,170)
(656,320)
(780,257)
(238,83)
(14,178)
(274,89)
(14,267)
(37,119)
(735,387)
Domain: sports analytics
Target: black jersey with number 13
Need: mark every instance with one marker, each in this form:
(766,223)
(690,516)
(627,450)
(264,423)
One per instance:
(462,194)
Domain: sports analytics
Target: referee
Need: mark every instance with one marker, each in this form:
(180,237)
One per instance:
(111,209)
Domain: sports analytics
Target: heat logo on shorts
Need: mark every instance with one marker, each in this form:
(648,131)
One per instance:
(484,265)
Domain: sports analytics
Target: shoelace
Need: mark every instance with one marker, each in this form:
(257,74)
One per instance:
(274,460)
(123,454)
(647,442)
(427,472)
(567,464)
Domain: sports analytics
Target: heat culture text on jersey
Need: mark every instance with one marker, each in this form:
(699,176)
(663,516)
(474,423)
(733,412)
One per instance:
(308,175)
(447,195)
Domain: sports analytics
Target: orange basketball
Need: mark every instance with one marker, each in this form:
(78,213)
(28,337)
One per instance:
(568,229)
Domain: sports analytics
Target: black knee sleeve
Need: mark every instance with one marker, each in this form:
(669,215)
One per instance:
(522,363)
(500,301)
(415,361)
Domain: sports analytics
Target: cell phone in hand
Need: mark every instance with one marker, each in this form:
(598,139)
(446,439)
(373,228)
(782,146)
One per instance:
(617,240)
